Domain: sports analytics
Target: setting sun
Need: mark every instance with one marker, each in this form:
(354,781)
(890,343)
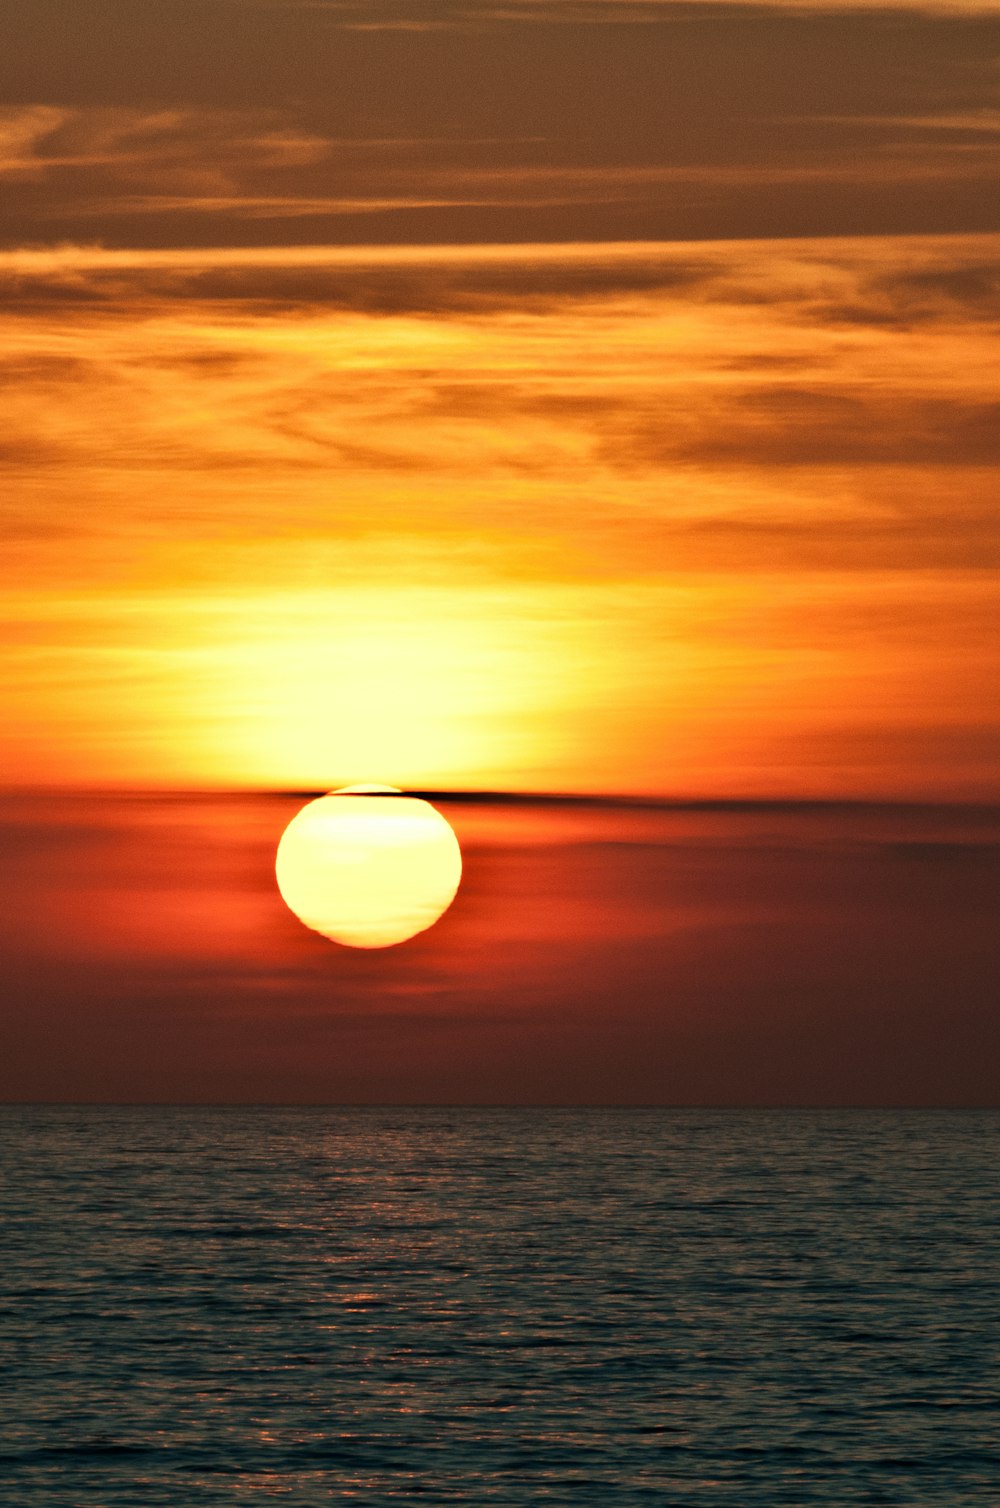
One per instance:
(367,866)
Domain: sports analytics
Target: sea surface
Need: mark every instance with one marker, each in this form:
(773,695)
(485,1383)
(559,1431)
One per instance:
(257,1305)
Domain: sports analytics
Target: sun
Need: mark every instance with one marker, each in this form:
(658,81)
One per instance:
(367,866)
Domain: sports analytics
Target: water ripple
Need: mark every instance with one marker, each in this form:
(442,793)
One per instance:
(499,1307)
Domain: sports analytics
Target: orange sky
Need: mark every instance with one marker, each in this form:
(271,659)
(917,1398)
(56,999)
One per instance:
(595,954)
(593,396)
(571,398)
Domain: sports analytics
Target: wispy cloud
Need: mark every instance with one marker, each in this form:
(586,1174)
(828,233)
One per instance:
(657,438)
(436,15)
(459,367)
(482,137)
(24,130)
(259,207)
(178,147)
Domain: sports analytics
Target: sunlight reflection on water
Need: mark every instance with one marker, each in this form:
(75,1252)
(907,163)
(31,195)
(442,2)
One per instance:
(734,1307)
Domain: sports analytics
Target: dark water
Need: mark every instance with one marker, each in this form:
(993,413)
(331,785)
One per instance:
(305,1306)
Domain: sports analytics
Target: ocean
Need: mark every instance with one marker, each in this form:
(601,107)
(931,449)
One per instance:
(311,1305)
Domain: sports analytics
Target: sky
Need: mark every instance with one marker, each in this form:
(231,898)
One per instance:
(773,954)
(570,397)
(591,398)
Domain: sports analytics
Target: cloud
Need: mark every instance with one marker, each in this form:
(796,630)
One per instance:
(739,122)
(791,425)
(370,279)
(514,487)
(178,149)
(261,207)
(760,329)
(115,165)
(970,291)
(24,130)
(885,282)
(437,15)
(826,403)
(983,121)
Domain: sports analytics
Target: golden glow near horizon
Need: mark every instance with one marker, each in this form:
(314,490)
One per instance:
(368,867)
(578,397)
(739,549)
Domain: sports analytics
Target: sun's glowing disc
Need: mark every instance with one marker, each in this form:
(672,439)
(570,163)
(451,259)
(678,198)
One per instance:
(367,866)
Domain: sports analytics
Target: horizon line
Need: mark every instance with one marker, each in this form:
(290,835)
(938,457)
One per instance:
(765,1107)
